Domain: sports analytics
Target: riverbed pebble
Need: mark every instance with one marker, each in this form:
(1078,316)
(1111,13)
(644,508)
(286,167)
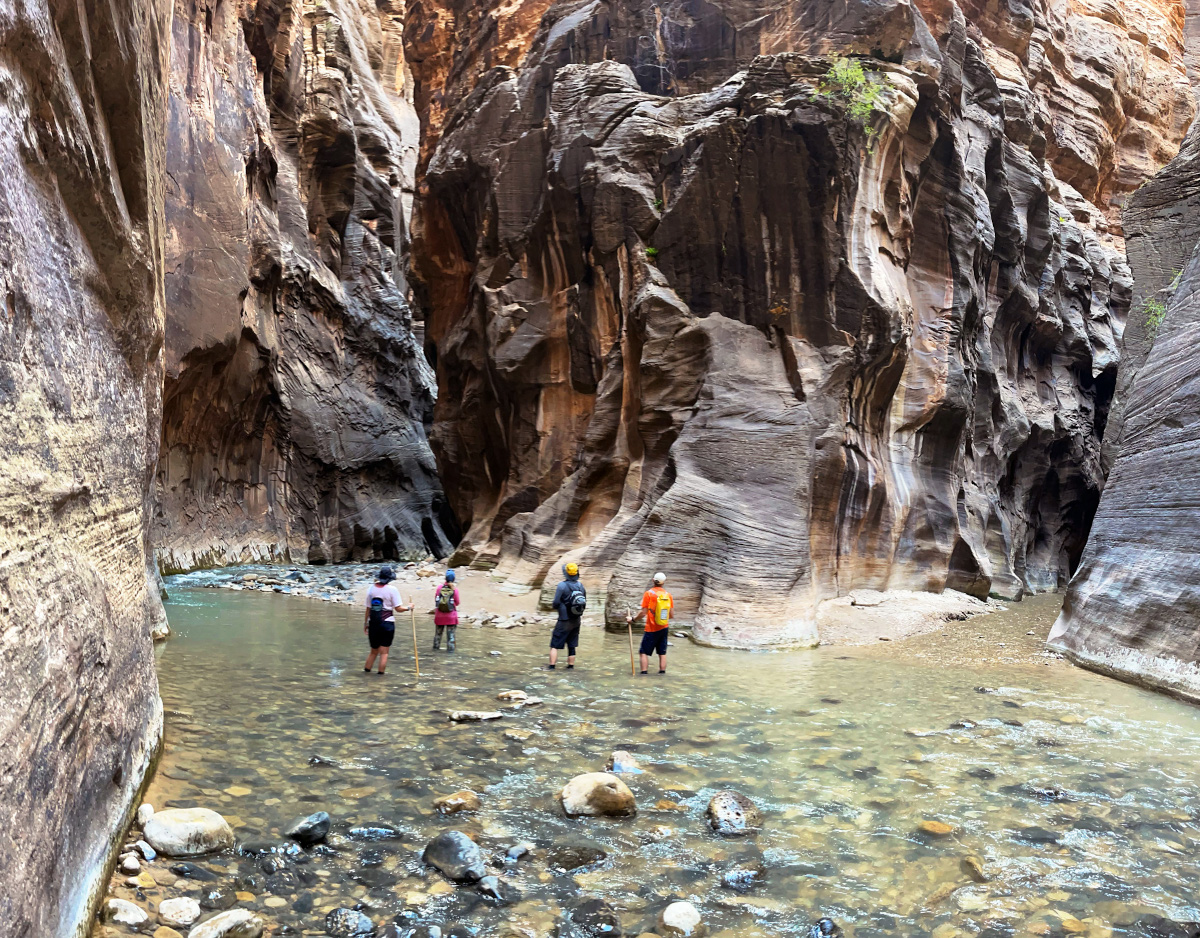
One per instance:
(456,855)
(148,853)
(731,813)
(680,920)
(188,832)
(623,763)
(236,923)
(597,794)
(130,864)
(310,830)
(512,695)
(935,828)
(124,912)
(474,716)
(348,923)
(181,911)
(464,800)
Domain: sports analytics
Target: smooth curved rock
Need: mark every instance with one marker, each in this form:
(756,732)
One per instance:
(179,912)
(459,801)
(236,923)
(732,813)
(310,830)
(348,923)
(680,920)
(623,763)
(124,912)
(457,856)
(591,918)
(874,325)
(597,794)
(188,832)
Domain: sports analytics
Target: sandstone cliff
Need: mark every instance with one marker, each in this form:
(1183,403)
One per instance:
(297,395)
(689,314)
(1133,605)
(82,109)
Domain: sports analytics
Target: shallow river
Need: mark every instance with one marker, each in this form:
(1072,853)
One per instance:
(1076,796)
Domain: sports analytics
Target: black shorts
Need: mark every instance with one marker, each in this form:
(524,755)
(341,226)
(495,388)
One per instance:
(655,642)
(380,636)
(566,635)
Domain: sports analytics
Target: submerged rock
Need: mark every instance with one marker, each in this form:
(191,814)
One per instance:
(741,878)
(825,928)
(591,918)
(180,911)
(464,800)
(124,912)
(623,763)
(457,856)
(574,857)
(188,832)
(935,828)
(474,716)
(680,920)
(348,923)
(731,813)
(310,830)
(236,923)
(597,794)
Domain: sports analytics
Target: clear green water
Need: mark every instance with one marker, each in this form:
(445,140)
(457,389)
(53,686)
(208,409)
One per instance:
(255,685)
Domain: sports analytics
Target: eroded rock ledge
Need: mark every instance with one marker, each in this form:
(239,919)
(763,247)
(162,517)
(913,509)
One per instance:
(297,397)
(687,316)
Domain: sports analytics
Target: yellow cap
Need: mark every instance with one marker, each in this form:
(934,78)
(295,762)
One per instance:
(572,570)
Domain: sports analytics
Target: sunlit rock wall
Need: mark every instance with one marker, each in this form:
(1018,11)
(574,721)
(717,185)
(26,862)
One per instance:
(82,116)
(687,317)
(297,395)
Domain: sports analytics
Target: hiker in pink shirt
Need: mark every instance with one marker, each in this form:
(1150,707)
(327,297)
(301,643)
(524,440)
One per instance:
(445,614)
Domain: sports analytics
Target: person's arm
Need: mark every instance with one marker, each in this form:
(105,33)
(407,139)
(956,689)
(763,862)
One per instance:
(558,598)
(457,601)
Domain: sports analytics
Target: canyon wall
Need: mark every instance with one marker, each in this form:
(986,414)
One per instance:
(688,313)
(1132,608)
(82,117)
(297,396)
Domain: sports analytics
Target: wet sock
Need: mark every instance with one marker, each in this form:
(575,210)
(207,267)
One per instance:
(570,667)
(645,672)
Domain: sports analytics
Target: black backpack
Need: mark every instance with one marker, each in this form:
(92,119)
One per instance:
(375,616)
(575,601)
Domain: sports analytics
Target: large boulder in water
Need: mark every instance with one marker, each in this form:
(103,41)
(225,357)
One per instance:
(732,813)
(457,856)
(598,794)
(188,832)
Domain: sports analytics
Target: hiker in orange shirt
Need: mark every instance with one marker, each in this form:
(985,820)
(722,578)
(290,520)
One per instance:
(658,605)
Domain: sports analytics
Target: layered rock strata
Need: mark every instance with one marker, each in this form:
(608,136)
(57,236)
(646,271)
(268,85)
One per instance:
(82,118)
(297,394)
(1133,605)
(690,315)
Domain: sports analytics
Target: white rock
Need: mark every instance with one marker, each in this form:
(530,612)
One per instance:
(124,913)
(512,695)
(180,912)
(680,920)
(236,923)
(129,864)
(623,763)
(188,832)
(474,716)
(144,813)
(597,794)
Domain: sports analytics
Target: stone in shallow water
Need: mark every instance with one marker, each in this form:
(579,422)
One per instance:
(147,852)
(191,871)
(591,918)
(935,828)
(459,801)
(474,716)
(236,923)
(218,897)
(742,877)
(456,855)
(181,911)
(1036,835)
(574,857)
(348,923)
(310,830)
(680,920)
(188,832)
(623,763)
(731,813)
(597,794)
(124,912)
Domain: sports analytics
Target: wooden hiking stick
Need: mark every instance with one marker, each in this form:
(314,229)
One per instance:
(412,608)
(629,626)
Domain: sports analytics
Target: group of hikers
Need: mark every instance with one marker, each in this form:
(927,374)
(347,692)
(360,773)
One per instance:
(570,602)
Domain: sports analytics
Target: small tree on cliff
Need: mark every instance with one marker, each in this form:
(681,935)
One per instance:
(848,85)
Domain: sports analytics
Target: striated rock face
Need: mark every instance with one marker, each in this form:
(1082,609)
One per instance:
(82,115)
(687,315)
(296,395)
(1133,605)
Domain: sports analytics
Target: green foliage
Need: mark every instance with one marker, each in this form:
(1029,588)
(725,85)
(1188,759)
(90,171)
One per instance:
(848,84)
(1155,311)
(1176,277)
(658,204)
(652,253)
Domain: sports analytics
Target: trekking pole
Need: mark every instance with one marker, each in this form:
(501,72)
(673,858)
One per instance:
(412,608)
(629,626)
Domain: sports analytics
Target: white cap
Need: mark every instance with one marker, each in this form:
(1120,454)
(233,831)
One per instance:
(660,578)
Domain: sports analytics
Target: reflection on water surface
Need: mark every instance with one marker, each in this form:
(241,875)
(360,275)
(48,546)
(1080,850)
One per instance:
(1071,796)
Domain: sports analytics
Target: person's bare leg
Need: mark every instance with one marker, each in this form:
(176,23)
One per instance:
(662,664)
(383,653)
(370,659)
(553,657)
(645,663)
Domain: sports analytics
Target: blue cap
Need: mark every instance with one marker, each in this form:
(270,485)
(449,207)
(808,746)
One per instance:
(449,576)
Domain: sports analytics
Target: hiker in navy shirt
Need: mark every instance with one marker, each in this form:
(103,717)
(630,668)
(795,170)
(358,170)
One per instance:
(570,598)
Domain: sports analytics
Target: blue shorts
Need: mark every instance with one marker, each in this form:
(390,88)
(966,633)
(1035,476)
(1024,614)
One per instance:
(655,642)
